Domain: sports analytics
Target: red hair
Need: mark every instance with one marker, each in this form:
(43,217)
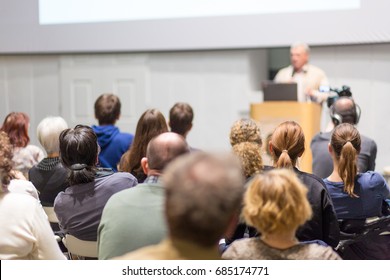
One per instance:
(16,126)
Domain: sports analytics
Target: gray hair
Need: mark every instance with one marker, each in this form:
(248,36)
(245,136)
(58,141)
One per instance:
(48,132)
(301,44)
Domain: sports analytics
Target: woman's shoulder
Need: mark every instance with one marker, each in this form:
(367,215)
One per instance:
(371,178)
(314,251)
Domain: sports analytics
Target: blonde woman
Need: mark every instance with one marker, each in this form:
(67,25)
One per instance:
(275,204)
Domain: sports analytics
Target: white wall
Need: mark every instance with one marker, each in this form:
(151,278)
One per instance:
(219,85)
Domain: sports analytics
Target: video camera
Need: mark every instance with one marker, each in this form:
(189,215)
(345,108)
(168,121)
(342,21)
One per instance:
(344,91)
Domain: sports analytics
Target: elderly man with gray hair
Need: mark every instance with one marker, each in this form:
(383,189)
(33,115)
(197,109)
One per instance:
(309,78)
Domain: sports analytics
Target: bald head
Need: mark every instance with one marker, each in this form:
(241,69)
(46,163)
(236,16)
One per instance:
(346,108)
(164,148)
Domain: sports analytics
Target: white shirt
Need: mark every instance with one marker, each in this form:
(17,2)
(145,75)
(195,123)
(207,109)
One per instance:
(25,232)
(310,78)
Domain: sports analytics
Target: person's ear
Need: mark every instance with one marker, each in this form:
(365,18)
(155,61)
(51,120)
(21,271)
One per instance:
(271,150)
(145,165)
(330,149)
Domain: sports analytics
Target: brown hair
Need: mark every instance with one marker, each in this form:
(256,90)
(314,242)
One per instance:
(107,108)
(288,143)
(346,144)
(16,126)
(180,118)
(150,124)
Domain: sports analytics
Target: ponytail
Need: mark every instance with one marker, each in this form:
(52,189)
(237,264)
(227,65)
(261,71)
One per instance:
(284,160)
(348,168)
(81,174)
(346,144)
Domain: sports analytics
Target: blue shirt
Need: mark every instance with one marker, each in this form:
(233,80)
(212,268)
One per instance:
(371,188)
(113,144)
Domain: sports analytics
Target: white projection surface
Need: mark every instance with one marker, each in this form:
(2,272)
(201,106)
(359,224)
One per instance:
(82,26)
(86,11)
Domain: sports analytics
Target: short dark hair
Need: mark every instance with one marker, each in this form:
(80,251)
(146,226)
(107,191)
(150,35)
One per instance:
(107,108)
(78,152)
(180,118)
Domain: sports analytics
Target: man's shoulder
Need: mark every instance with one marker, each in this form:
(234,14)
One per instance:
(321,137)
(285,71)
(367,140)
(139,191)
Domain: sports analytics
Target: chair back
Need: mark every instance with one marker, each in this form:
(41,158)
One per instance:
(51,214)
(365,239)
(80,247)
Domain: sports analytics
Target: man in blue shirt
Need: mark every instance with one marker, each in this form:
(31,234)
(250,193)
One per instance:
(112,142)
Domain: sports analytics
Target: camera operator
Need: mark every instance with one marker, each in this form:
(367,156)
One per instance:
(343,109)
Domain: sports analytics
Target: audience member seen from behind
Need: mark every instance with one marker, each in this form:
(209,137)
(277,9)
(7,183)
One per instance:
(203,193)
(356,196)
(112,142)
(150,124)
(181,116)
(309,78)
(245,138)
(144,222)
(49,176)
(25,156)
(287,145)
(80,206)
(18,183)
(343,110)
(275,203)
(25,231)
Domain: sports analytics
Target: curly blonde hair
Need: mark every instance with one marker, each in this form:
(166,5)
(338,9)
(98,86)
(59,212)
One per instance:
(245,130)
(276,202)
(249,155)
(245,138)
(5,161)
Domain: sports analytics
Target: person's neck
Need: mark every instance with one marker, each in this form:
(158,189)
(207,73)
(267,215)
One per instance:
(299,70)
(280,240)
(154,172)
(53,155)
(335,176)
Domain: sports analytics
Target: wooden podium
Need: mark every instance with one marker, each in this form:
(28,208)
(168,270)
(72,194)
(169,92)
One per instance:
(307,115)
